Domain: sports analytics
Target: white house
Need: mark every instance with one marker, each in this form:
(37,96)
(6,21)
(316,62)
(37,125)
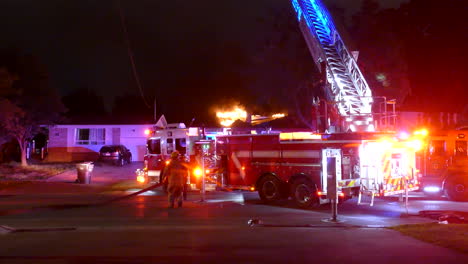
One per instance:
(82,142)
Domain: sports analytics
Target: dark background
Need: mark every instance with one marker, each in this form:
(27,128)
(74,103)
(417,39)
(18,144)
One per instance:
(195,56)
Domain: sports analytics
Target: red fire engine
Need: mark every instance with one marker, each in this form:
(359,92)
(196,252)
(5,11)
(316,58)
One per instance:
(297,164)
(290,164)
(174,137)
(445,163)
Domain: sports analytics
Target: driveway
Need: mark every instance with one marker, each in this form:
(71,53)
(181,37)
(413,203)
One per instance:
(102,174)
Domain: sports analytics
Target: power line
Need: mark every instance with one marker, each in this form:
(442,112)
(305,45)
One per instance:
(130,55)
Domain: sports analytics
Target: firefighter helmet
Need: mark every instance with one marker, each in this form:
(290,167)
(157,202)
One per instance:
(175,155)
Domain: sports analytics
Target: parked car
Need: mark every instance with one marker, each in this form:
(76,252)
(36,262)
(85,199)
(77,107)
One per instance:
(116,154)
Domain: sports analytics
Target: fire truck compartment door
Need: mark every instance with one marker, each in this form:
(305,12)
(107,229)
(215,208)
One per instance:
(331,169)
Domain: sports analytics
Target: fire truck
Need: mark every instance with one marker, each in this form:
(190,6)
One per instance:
(444,162)
(298,165)
(161,142)
(279,165)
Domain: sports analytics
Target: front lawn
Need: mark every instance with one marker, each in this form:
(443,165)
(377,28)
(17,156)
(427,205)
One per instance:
(453,236)
(15,172)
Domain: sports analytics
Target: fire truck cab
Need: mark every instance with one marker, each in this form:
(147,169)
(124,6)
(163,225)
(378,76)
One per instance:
(162,142)
(298,165)
(445,164)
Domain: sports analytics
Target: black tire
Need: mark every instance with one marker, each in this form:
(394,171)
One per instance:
(456,189)
(269,189)
(304,193)
(129,161)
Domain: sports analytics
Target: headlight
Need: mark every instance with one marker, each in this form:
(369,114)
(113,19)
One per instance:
(141,179)
(432,189)
(197,172)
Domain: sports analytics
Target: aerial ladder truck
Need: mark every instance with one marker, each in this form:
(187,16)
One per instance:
(358,157)
(361,154)
(346,87)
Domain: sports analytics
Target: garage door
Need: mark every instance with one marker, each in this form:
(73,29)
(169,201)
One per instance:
(136,145)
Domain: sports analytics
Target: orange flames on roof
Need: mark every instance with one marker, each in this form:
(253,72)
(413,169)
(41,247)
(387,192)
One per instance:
(228,117)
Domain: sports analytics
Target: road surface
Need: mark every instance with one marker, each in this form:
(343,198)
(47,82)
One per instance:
(143,230)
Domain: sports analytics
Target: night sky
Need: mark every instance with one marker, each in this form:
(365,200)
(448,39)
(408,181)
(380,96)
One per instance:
(176,44)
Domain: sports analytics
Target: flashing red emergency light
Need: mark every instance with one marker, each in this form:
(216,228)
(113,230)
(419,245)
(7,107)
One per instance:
(422,132)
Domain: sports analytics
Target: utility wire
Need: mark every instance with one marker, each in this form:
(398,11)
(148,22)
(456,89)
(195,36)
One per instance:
(130,54)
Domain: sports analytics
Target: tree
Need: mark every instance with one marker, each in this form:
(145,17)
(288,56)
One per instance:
(382,51)
(14,125)
(129,108)
(281,71)
(436,53)
(29,103)
(84,105)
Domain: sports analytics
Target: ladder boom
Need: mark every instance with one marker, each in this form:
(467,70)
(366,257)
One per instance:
(348,88)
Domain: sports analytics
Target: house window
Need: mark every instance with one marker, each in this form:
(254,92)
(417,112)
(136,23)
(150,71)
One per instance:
(90,136)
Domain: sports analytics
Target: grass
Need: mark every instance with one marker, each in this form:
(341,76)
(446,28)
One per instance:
(15,172)
(453,236)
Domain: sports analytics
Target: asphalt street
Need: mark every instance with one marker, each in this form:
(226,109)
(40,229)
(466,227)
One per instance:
(53,222)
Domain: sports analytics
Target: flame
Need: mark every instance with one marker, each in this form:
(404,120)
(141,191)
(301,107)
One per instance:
(228,117)
(279,115)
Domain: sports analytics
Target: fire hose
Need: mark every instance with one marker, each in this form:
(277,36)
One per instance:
(7,229)
(70,206)
(131,195)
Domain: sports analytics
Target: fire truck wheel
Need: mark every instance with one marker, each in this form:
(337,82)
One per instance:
(269,189)
(304,193)
(457,189)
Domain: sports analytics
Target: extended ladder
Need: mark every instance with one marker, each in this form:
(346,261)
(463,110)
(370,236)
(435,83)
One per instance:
(348,88)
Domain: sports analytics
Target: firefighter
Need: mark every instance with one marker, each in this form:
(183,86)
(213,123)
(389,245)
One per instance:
(175,176)
(185,163)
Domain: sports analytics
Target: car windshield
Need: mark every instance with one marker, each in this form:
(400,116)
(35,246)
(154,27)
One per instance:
(109,149)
